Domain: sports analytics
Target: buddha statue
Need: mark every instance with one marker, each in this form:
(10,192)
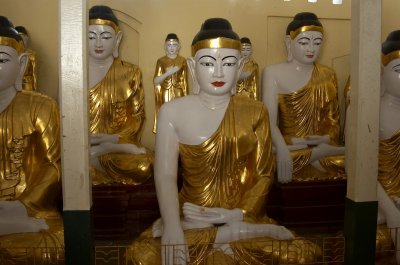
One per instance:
(29,81)
(170,77)
(30,226)
(389,146)
(302,100)
(248,83)
(224,144)
(116,107)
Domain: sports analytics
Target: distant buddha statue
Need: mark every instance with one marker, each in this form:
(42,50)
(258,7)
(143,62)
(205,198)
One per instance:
(248,83)
(170,77)
(224,144)
(29,81)
(389,146)
(31,230)
(302,100)
(116,106)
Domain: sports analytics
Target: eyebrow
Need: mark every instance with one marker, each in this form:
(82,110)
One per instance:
(207,56)
(6,53)
(395,66)
(226,57)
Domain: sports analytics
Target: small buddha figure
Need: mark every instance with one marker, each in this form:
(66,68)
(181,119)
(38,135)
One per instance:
(389,146)
(302,100)
(170,77)
(225,148)
(248,83)
(116,106)
(31,230)
(29,82)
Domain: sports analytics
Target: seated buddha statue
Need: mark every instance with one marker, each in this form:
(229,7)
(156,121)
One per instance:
(170,77)
(29,80)
(30,226)
(116,107)
(248,83)
(389,146)
(224,144)
(302,100)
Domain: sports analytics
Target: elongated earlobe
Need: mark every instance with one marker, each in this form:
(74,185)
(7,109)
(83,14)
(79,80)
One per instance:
(289,51)
(191,64)
(23,62)
(117,43)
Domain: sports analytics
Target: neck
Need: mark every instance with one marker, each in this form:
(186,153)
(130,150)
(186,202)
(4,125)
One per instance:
(6,96)
(391,100)
(301,66)
(214,102)
(101,63)
(172,56)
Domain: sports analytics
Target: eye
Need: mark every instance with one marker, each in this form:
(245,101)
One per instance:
(106,37)
(206,64)
(4,60)
(229,64)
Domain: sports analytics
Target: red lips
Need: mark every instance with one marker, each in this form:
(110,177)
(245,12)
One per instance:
(218,83)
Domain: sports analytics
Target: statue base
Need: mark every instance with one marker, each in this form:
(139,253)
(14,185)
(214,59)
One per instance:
(122,212)
(313,204)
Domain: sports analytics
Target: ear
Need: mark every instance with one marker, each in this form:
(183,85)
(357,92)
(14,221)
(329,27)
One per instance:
(118,37)
(382,80)
(288,41)
(23,62)
(191,65)
(241,62)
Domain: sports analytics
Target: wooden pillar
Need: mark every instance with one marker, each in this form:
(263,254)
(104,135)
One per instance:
(362,136)
(77,199)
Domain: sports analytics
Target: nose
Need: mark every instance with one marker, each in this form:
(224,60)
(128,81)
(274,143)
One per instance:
(311,47)
(218,71)
(98,41)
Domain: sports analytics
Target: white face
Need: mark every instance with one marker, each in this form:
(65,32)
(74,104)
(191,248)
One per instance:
(247,50)
(306,46)
(172,48)
(217,70)
(391,77)
(9,66)
(102,41)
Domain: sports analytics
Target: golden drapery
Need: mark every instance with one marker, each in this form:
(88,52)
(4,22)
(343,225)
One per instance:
(249,86)
(30,173)
(313,110)
(116,106)
(234,168)
(389,165)
(29,79)
(174,86)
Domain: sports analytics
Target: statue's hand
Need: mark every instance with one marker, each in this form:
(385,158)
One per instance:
(174,248)
(196,213)
(311,140)
(157,227)
(103,138)
(172,70)
(13,209)
(122,148)
(284,163)
(244,75)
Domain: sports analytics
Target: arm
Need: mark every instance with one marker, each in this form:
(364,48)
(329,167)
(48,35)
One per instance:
(165,175)
(43,187)
(270,100)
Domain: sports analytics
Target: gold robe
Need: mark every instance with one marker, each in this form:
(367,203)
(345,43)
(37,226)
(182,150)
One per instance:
(313,110)
(174,86)
(29,79)
(234,168)
(249,86)
(117,107)
(389,177)
(30,173)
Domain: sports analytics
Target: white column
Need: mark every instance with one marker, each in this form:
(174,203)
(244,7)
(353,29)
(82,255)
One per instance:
(74,105)
(362,138)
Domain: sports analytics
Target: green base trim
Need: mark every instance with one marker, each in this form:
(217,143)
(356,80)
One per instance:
(78,238)
(360,232)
